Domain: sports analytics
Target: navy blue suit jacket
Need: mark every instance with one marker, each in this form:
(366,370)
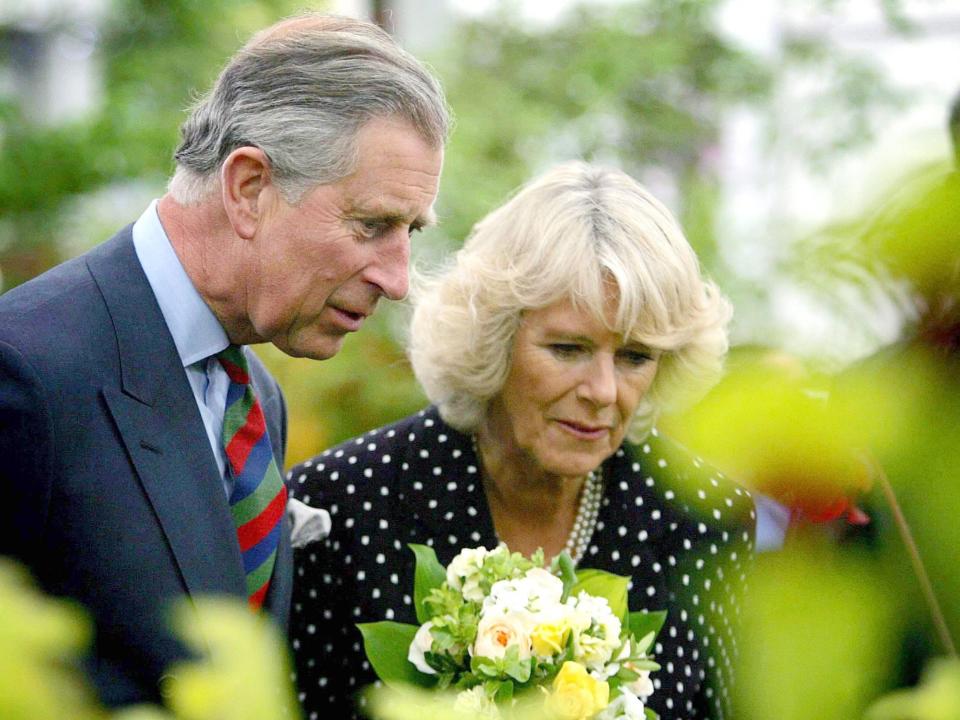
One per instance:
(109,491)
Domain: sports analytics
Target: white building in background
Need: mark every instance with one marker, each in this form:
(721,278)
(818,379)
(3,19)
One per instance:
(774,196)
(419,25)
(48,58)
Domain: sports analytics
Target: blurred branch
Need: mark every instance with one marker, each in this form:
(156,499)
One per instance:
(903,527)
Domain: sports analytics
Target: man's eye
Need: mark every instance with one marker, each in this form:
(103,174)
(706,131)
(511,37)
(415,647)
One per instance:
(371,228)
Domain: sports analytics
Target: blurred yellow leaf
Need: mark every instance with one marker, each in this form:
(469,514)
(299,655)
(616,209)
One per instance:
(937,698)
(42,639)
(244,670)
(816,639)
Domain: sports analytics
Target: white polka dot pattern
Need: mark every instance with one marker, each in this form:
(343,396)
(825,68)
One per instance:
(681,531)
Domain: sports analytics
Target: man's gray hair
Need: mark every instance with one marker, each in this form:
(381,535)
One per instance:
(300,91)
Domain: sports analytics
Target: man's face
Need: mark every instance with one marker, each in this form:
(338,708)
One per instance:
(319,267)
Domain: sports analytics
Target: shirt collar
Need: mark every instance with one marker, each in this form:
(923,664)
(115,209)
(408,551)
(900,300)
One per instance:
(195,329)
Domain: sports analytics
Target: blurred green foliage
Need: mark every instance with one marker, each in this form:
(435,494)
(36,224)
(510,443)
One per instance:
(242,670)
(156,55)
(816,641)
(41,640)
(641,85)
(937,698)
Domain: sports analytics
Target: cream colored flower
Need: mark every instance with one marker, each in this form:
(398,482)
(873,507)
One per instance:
(576,695)
(496,632)
(624,707)
(543,588)
(642,687)
(463,573)
(475,703)
(422,642)
(596,630)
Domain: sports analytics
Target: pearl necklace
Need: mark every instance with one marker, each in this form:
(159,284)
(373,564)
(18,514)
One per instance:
(588,510)
(585,522)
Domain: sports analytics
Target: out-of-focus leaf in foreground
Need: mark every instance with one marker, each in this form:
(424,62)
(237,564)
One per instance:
(41,640)
(243,672)
(769,424)
(937,698)
(410,703)
(816,641)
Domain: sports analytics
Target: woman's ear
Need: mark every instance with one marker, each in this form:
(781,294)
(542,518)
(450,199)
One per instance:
(244,177)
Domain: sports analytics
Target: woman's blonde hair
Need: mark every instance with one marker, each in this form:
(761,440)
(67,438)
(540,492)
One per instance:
(568,234)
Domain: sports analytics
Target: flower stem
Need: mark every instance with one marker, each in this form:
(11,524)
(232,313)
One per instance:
(918,568)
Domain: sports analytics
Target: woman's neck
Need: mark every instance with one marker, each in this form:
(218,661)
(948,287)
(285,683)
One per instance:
(531,508)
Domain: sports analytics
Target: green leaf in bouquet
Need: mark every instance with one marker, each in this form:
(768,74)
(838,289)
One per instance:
(387,644)
(429,574)
(483,666)
(510,665)
(645,626)
(568,573)
(605,585)
(500,690)
(650,714)
(516,668)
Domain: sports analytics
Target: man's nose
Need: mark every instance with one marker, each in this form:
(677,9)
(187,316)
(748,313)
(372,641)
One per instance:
(390,269)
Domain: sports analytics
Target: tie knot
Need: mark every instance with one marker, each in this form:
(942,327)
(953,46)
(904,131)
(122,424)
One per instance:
(235,363)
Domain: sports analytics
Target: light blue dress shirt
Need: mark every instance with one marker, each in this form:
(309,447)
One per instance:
(773,521)
(196,331)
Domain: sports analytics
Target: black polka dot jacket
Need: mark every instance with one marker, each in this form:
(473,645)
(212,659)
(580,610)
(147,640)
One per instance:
(681,531)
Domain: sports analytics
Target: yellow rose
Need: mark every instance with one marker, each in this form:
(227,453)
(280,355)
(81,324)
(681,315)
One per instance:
(576,694)
(550,638)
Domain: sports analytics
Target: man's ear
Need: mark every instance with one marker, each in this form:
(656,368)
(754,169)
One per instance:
(245,179)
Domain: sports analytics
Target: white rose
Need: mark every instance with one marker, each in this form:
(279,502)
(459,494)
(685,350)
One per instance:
(642,687)
(498,631)
(543,588)
(421,644)
(596,630)
(507,596)
(463,573)
(475,703)
(624,707)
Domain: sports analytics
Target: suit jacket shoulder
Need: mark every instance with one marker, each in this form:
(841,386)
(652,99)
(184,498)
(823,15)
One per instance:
(109,491)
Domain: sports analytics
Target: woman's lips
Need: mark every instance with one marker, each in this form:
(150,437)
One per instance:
(584,431)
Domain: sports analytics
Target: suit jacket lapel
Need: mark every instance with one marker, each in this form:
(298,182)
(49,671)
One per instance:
(157,417)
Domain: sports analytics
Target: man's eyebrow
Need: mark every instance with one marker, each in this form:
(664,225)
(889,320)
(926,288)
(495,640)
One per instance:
(428,219)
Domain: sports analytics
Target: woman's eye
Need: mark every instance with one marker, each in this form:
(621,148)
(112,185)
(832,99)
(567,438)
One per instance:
(636,358)
(565,350)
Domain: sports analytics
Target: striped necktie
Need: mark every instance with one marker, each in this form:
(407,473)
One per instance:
(259,497)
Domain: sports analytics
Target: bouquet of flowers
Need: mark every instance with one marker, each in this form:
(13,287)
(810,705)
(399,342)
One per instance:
(499,632)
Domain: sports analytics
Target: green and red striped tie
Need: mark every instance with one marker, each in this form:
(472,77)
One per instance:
(259,497)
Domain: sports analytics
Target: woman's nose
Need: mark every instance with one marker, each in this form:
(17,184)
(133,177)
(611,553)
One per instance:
(599,381)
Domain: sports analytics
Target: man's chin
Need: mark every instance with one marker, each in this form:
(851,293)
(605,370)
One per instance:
(321,348)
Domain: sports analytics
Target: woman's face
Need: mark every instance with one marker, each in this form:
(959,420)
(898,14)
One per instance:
(572,389)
